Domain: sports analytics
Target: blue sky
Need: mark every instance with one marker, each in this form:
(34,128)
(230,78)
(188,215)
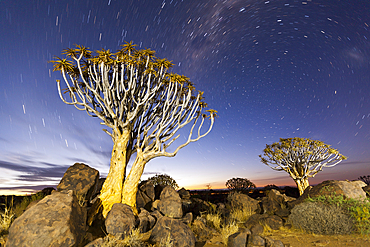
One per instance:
(272,69)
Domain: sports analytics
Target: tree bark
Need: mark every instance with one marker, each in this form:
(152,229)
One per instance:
(111,191)
(302,184)
(130,186)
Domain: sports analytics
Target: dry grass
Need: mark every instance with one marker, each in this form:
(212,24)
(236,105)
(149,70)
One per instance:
(132,240)
(228,230)
(240,216)
(214,220)
(168,242)
(6,218)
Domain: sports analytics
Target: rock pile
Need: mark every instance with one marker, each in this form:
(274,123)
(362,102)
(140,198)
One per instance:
(164,214)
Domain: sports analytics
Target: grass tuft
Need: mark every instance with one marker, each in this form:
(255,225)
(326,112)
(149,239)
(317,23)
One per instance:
(134,239)
(228,230)
(6,218)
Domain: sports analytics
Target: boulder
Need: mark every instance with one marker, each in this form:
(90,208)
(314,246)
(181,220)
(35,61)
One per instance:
(256,240)
(184,194)
(145,195)
(96,243)
(120,220)
(80,178)
(56,220)
(170,203)
(272,221)
(273,202)
(239,238)
(243,202)
(146,221)
(199,206)
(188,218)
(349,189)
(169,230)
(273,243)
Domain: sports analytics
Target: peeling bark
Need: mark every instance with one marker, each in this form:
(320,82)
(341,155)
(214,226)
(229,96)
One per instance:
(112,188)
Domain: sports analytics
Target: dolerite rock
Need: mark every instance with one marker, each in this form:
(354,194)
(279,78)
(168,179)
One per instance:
(184,194)
(170,203)
(173,231)
(256,240)
(239,238)
(349,189)
(145,195)
(146,221)
(273,221)
(269,242)
(273,202)
(57,220)
(120,220)
(81,178)
(243,202)
(96,243)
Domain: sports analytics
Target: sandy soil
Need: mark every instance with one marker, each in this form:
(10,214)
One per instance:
(292,238)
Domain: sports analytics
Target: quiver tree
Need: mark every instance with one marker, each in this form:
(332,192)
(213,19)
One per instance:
(239,184)
(301,158)
(142,104)
(163,180)
(365,179)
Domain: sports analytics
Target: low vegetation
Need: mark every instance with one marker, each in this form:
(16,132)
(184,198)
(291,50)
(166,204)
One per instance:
(6,218)
(357,209)
(134,239)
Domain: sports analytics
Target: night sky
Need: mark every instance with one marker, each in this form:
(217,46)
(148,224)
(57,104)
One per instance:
(272,69)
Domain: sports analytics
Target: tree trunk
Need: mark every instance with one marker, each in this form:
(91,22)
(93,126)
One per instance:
(130,186)
(302,184)
(111,191)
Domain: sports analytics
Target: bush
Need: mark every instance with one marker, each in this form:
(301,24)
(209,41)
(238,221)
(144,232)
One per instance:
(358,210)
(320,218)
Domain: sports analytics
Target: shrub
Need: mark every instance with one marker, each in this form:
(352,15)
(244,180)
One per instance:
(320,218)
(358,210)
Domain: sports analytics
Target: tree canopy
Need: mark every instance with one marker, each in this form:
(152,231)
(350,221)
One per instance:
(239,184)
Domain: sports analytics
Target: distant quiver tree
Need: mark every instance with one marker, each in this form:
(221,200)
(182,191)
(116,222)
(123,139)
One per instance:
(301,158)
(239,184)
(140,101)
(163,179)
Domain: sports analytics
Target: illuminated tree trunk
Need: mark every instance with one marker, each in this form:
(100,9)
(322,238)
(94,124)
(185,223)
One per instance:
(112,188)
(302,184)
(130,186)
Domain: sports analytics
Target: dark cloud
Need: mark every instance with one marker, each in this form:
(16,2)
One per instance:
(33,173)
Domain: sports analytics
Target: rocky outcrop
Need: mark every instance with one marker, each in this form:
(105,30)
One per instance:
(120,220)
(82,179)
(169,230)
(56,220)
